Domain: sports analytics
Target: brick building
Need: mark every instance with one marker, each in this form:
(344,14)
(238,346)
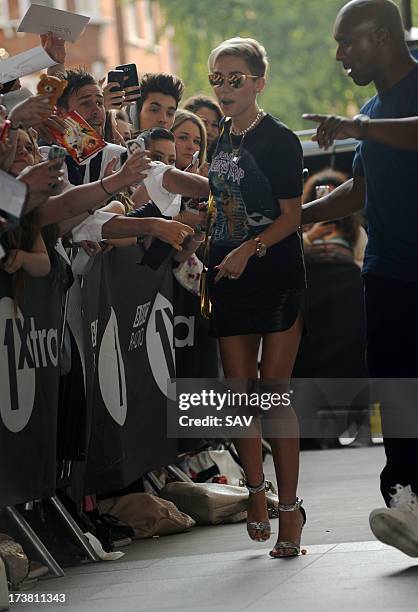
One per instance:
(118,32)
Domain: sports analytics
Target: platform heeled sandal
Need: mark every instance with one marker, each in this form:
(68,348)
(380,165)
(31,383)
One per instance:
(256,529)
(290,549)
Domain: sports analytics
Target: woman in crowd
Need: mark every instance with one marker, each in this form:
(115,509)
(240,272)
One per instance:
(123,125)
(79,202)
(161,146)
(25,246)
(256,275)
(211,114)
(117,129)
(346,236)
(190,135)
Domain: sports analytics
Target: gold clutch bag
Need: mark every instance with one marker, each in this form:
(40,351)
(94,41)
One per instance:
(205,305)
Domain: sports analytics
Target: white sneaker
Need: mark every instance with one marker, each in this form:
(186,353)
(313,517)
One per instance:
(398,525)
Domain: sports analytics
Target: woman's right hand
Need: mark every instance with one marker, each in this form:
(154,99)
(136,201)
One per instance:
(172,232)
(319,231)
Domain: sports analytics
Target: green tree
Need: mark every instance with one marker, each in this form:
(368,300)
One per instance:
(303,76)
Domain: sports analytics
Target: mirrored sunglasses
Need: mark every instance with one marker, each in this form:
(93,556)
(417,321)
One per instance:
(234,80)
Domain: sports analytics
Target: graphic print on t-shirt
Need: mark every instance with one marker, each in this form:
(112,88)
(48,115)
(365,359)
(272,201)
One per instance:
(231,216)
(235,222)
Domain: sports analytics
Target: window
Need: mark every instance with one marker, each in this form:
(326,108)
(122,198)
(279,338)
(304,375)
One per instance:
(58,4)
(4,12)
(139,22)
(149,27)
(132,23)
(90,8)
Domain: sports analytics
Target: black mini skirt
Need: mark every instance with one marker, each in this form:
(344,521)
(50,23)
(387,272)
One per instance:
(227,321)
(267,297)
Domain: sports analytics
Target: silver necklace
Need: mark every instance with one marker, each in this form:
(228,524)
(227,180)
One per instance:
(237,150)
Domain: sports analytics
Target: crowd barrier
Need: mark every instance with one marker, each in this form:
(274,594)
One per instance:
(134,329)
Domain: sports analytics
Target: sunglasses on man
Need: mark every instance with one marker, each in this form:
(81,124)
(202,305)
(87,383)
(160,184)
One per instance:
(235,80)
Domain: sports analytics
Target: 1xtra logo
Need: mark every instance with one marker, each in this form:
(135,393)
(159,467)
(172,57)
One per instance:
(23,349)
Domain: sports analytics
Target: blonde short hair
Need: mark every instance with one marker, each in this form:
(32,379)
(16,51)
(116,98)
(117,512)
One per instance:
(250,50)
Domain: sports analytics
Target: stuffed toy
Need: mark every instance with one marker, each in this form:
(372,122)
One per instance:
(52,87)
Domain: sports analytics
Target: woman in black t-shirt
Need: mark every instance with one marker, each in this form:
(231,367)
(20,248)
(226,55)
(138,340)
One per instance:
(256,275)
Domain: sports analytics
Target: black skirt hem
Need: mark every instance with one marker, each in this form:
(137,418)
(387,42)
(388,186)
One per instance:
(225,322)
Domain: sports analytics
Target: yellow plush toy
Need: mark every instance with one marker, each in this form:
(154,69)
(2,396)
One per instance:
(51,86)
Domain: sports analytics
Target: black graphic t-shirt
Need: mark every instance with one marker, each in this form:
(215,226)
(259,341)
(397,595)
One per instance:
(248,175)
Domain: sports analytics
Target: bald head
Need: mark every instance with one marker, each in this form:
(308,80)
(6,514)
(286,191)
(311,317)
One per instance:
(374,14)
(371,42)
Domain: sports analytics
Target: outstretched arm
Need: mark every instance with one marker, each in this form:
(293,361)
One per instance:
(80,199)
(400,133)
(186,184)
(341,202)
(172,232)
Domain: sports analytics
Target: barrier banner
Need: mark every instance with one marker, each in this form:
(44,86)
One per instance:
(129,330)
(29,379)
(196,350)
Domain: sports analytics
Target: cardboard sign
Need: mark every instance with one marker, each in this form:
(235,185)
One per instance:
(43,19)
(20,65)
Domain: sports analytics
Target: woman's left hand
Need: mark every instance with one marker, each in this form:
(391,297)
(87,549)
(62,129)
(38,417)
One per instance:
(14,261)
(203,170)
(234,264)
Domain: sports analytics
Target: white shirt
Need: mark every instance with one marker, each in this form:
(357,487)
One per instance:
(168,203)
(13,194)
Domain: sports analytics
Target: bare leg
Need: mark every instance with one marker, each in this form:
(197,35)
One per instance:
(278,358)
(239,360)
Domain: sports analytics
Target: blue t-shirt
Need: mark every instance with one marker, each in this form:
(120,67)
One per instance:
(391,176)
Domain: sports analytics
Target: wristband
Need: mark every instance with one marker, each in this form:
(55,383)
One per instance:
(306,239)
(104,188)
(362,123)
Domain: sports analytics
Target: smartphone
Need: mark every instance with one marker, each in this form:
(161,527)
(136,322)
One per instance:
(323,190)
(131,77)
(116,76)
(4,133)
(56,152)
(194,160)
(135,145)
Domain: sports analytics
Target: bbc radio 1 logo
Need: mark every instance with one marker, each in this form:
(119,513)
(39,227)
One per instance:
(166,332)
(23,349)
(111,372)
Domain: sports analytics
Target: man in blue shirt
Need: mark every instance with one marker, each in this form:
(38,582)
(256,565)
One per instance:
(372,48)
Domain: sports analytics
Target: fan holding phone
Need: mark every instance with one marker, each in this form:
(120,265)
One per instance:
(122,87)
(114,93)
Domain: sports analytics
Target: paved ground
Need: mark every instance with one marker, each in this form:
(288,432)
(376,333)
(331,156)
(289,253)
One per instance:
(220,569)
